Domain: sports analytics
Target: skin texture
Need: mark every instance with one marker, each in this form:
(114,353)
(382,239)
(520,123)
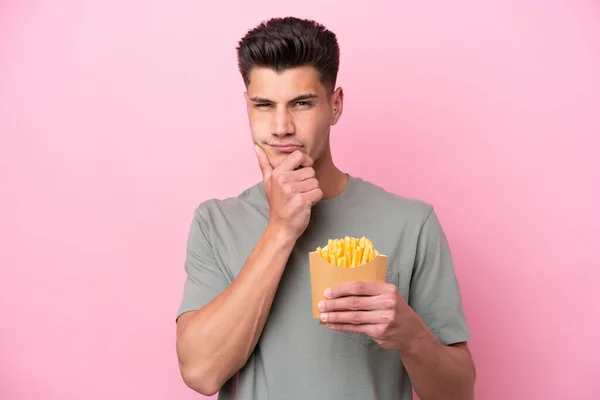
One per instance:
(286,117)
(295,109)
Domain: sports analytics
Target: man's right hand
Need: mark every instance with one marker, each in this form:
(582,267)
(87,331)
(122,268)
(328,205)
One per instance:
(291,193)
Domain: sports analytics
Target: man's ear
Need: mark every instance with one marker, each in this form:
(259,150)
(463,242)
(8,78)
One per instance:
(337,105)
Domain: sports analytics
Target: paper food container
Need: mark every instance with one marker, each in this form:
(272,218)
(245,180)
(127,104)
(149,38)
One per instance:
(324,274)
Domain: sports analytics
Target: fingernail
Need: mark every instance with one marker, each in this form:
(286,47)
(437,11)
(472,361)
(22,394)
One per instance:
(323,317)
(328,293)
(321,306)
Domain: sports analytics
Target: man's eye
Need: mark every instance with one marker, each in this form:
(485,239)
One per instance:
(303,103)
(263,105)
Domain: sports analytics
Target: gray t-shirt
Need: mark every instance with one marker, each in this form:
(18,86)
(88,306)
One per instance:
(296,357)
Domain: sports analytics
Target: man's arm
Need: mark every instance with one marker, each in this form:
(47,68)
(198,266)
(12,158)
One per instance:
(438,371)
(214,342)
(437,360)
(429,331)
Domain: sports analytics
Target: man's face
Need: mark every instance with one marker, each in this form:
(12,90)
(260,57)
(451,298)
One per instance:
(291,111)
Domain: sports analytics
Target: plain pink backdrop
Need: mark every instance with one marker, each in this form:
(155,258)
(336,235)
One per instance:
(118,117)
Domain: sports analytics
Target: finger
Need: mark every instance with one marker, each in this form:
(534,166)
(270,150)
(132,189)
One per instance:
(302,174)
(358,317)
(314,196)
(307,162)
(263,161)
(367,329)
(358,288)
(294,160)
(298,175)
(356,303)
(306,185)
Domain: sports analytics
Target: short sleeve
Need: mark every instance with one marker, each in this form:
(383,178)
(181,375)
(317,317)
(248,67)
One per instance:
(434,291)
(204,279)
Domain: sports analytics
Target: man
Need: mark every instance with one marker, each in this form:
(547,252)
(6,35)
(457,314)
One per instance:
(245,327)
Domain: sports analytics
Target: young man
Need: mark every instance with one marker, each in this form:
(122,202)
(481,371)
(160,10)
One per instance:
(245,325)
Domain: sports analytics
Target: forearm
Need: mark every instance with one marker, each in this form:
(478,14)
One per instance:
(438,371)
(216,341)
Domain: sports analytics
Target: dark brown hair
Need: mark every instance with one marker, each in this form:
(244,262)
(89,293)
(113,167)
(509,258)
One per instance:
(282,43)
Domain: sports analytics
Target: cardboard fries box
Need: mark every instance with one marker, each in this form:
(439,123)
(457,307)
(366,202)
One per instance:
(324,274)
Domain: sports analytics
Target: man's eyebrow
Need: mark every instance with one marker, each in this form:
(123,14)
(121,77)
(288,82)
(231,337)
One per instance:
(257,99)
(305,96)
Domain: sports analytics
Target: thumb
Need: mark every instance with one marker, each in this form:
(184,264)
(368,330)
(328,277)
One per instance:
(263,162)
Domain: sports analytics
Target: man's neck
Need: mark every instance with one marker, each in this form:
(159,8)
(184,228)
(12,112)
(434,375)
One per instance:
(332,180)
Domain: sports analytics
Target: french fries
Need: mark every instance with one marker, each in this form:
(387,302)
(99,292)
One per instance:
(348,252)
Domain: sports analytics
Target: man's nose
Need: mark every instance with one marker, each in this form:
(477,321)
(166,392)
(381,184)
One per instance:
(283,123)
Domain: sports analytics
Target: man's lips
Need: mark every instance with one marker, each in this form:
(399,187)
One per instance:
(285,148)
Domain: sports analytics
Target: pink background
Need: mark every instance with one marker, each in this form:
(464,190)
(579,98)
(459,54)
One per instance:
(118,117)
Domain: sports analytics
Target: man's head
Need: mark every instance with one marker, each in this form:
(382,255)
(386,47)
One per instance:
(290,68)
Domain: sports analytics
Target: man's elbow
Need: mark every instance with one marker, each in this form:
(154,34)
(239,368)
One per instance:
(201,380)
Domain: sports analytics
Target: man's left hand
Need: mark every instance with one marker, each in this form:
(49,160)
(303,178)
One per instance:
(373,308)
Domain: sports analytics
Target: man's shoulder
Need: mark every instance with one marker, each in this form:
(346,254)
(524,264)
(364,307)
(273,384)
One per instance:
(390,202)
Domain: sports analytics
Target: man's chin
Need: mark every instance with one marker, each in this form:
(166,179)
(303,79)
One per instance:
(276,159)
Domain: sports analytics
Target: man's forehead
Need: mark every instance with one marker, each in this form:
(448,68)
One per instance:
(284,85)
